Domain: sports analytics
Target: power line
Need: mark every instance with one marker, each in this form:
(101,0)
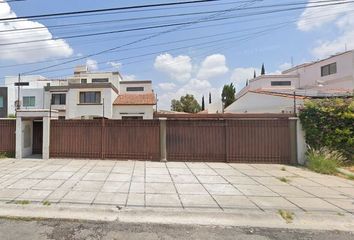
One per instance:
(172,25)
(133,42)
(107,9)
(161,16)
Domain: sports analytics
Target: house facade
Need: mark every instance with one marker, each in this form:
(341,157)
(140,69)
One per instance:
(85,95)
(333,76)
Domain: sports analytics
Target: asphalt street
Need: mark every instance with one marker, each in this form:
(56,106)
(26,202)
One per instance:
(38,229)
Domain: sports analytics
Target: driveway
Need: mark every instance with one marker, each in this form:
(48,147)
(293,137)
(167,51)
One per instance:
(134,184)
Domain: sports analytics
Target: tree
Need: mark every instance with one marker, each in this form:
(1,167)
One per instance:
(263,69)
(254,74)
(209,97)
(203,104)
(228,94)
(186,104)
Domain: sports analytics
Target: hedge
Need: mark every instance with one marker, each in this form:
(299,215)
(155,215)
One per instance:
(329,123)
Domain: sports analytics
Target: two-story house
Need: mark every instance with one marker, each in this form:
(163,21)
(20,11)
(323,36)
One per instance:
(89,95)
(283,93)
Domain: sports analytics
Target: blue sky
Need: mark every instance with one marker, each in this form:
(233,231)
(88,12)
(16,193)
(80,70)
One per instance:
(195,59)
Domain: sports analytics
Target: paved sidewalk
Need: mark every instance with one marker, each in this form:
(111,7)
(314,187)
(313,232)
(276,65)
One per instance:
(134,184)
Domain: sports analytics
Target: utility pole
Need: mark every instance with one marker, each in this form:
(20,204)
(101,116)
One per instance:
(103,108)
(294,103)
(18,92)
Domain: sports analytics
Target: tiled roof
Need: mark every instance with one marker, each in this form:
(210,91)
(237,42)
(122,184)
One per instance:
(135,99)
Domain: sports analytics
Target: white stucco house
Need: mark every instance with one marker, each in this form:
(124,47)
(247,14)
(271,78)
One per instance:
(333,76)
(85,95)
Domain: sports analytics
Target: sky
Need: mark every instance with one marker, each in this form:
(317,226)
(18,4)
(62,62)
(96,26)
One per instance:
(224,42)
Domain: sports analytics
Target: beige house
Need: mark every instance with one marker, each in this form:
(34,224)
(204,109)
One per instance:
(89,95)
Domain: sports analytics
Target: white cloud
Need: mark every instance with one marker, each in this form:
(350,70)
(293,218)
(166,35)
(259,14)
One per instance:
(91,64)
(213,66)
(284,66)
(241,75)
(178,68)
(313,18)
(130,77)
(28,52)
(115,65)
(167,86)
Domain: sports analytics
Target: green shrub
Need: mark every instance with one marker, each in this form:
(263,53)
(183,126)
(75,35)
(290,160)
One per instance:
(329,123)
(324,160)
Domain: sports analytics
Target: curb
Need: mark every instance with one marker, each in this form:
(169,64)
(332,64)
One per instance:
(239,218)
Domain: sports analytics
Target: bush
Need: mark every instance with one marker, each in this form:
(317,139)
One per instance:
(329,123)
(324,160)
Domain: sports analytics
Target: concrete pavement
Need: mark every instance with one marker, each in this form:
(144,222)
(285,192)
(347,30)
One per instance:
(203,193)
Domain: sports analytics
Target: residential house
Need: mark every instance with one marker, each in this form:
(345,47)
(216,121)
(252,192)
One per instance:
(333,76)
(136,100)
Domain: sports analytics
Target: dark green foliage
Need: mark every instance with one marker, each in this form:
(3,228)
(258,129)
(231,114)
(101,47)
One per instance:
(263,69)
(186,104)
(330,123)
(203,104)
(228,94)
(209,98)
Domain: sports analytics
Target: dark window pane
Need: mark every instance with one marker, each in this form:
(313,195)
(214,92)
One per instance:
(99,80)
(280,83)
(135,89)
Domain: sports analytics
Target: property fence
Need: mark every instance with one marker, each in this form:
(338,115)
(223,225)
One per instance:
(241,140)
(264,139)
(116,139)
(7,136)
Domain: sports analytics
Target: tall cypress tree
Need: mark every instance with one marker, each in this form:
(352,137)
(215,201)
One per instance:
(203,105)
(263,69)
(209,97)
(254,74)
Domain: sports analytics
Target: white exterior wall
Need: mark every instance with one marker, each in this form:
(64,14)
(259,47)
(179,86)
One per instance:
(75,110)
(113,78)
(262,103)
(265,82)
(123,87)
(145,111)
(35,88)
(310,75)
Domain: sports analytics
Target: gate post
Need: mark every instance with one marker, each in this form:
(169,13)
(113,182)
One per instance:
(46,137)
(19,136)
(163,151)
(293,140)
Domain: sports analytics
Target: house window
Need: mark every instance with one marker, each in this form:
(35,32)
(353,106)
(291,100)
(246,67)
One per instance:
(59,99)
(329,69)
(99,80)
(135,89)
(84,80)
(1,101)
(29,101)
(280,83)
(90,97)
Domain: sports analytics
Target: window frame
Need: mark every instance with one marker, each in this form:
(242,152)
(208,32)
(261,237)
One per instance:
(62,99)
(1,101)
(329,69)
(94,99)
(100,80)
(280,83)
(135,89)
(28,104)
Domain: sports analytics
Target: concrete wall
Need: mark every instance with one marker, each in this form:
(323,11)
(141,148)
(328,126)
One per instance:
(145,111)
(262,103)
(113,77)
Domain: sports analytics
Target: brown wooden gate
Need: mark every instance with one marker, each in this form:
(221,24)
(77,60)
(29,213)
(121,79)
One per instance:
(133,139)
(8,136)
(237,140)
